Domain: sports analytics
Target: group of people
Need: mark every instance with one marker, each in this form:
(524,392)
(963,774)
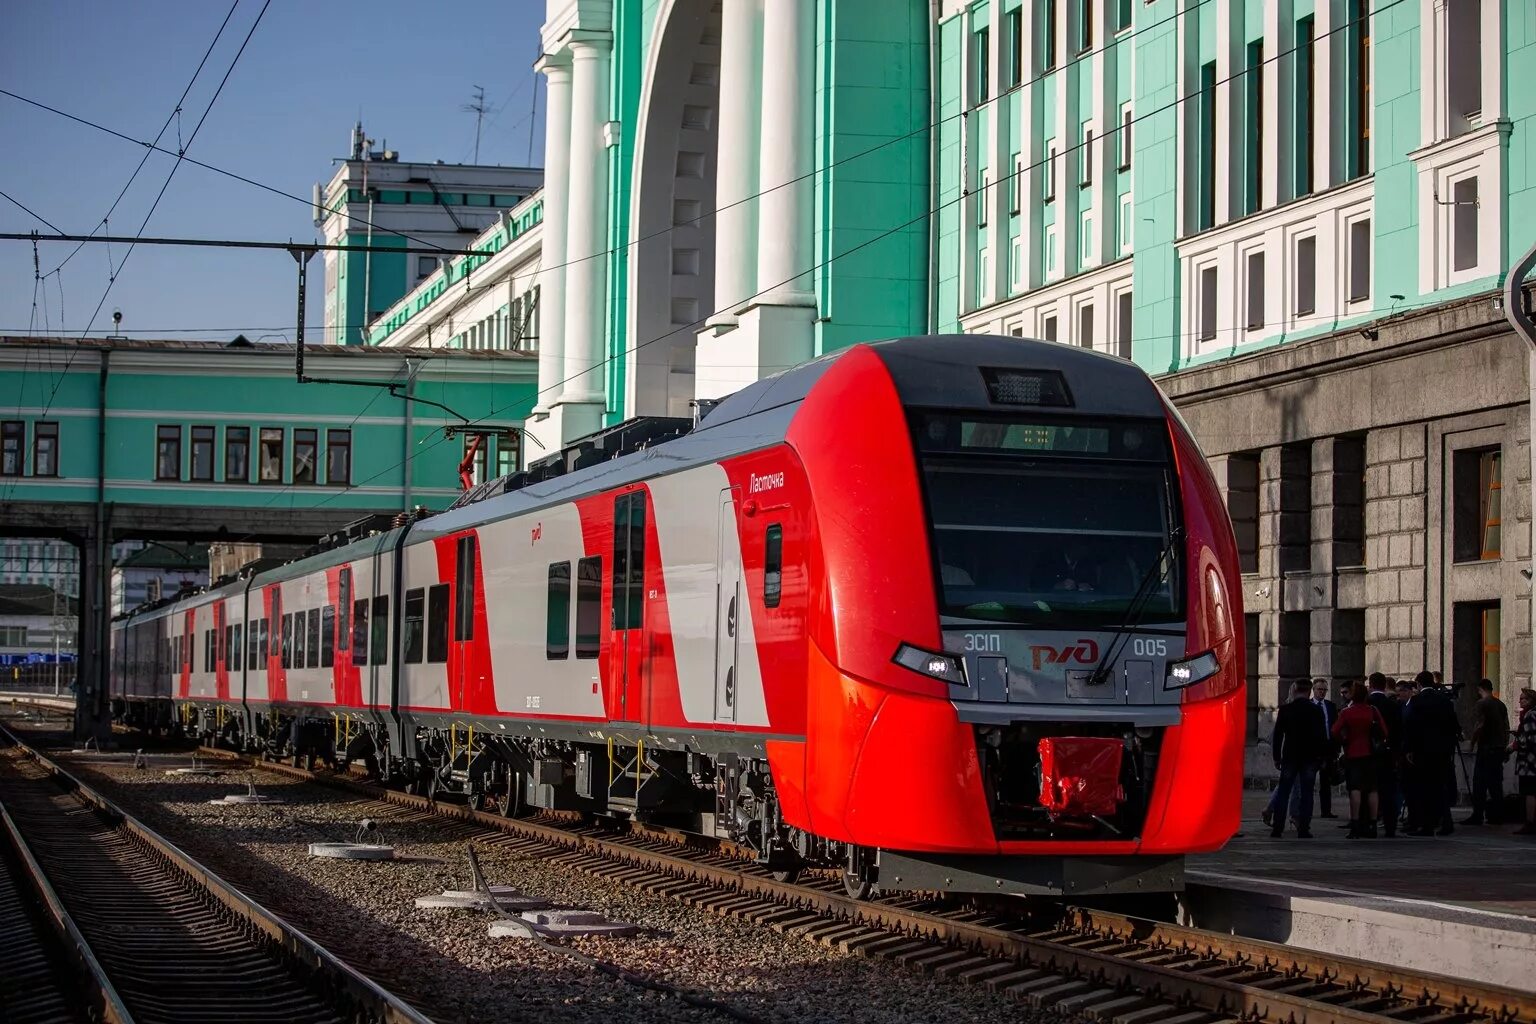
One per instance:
(1397,744)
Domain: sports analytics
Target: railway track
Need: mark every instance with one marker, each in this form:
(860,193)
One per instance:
(1102,965)
(150,935)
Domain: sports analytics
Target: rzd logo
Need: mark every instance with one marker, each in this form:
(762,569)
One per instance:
(1084,652)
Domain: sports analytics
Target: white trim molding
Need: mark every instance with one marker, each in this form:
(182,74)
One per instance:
(1479,155)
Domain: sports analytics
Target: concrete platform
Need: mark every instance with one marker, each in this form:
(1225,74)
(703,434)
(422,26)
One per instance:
(1462,905)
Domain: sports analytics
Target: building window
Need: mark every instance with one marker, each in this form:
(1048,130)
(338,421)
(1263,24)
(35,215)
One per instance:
(1016,263)
(1208,303)
(1464,224)
(1206,182)
(1085,325)
(508,453)
(1085,25)
(202,453)
(557,628)
(1463,64)
(1490,623)
(271,455)
(773,565)
(982,198)
(1050,250)
(168,452)
(1360,260)
(426,266)
(1360,73)
(1126,120)
(1254,148)
(1306,112)
(1085,238)
(1123,323)
(1254,268)
(338,457)
(1123,15)
(1477,516)
(305,443)
(1306,275)
(983,42)
(589,606)
(1048,38)
(237,454)
(1016,184)
(1049,328)
(1124,226)
(1015,47)
(1085,175)
(13,439)
(45,449)
(1050,170)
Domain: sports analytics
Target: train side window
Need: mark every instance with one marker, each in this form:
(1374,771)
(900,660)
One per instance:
(236,645)
(773,565)
(314,638)
(360,631)
(557,641)
(251,650)
(464,610)
(343,607)
(381,630)
(298,639)
(437,623)
(265,644)
(415,605)
(589,606)
(327,636)
(288,641)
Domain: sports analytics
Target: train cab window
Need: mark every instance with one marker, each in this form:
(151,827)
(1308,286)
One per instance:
(287,641)
(343,606)
(415,606)
(773,565)
(464,612)
(557,641)
(298,639)
(313,634)
(327,636)
(360,631)
(381,630)
(589,606)
(437,623)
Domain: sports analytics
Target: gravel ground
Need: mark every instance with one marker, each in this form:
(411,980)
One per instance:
(443,960)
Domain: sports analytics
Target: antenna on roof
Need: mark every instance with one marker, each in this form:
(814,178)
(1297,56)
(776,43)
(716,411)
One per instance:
(479,109)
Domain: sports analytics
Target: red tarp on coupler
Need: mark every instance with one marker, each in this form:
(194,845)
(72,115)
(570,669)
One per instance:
(1080,775)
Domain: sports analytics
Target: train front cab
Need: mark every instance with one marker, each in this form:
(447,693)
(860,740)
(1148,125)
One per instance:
(1048,560)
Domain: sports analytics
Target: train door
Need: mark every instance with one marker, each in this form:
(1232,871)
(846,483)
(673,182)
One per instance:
(727,609)
(626,659)
(459,656)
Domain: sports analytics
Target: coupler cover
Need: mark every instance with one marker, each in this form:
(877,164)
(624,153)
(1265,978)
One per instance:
(1080,775)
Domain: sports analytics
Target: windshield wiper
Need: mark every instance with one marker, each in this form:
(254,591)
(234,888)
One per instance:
(1149,583)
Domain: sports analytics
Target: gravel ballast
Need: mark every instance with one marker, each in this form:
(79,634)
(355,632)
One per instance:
(443,961)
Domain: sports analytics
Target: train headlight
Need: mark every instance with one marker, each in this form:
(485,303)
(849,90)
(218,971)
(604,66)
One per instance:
(1191,671)
(947,667)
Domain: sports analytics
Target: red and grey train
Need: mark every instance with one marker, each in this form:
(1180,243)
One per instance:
(954,612)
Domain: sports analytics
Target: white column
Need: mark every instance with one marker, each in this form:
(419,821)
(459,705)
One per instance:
(785,252)
(1326,46)
(1279,60)
(586,274)
(967,262)
(1000,159)
(1031,184)
(1492,35)
(1068,156)
(557,140)
(736,162)
(1227,34)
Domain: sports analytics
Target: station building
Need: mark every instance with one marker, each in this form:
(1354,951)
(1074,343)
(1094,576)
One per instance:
(1296,213)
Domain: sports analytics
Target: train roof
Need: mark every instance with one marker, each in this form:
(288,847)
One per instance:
(937,371)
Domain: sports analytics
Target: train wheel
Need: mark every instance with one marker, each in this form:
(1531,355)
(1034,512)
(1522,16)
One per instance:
(509,802)
(788,874)
(857,874)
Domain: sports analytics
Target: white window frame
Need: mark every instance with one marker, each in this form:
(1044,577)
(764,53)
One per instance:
(1126,227)
(1048,189)
(1347,248)
(982,196)
(984,276)
(1052,264)
(1079,307)
(1088,253)
(1085,155)
(1016,263)
(1117,321)
(1295,315)
(1016,185)
(1250,331)
(1127,122)
(1454,212)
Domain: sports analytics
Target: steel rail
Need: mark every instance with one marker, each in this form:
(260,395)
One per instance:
(358,996)
(1222,974)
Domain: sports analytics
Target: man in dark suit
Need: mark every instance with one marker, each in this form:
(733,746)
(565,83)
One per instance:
(1328,774)
(1300,744)
(1391,711)
(1431,731)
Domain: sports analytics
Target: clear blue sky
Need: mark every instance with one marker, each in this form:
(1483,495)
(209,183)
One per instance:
(285,113)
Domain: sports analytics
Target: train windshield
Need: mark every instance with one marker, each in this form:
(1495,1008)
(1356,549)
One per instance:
(1050,523)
